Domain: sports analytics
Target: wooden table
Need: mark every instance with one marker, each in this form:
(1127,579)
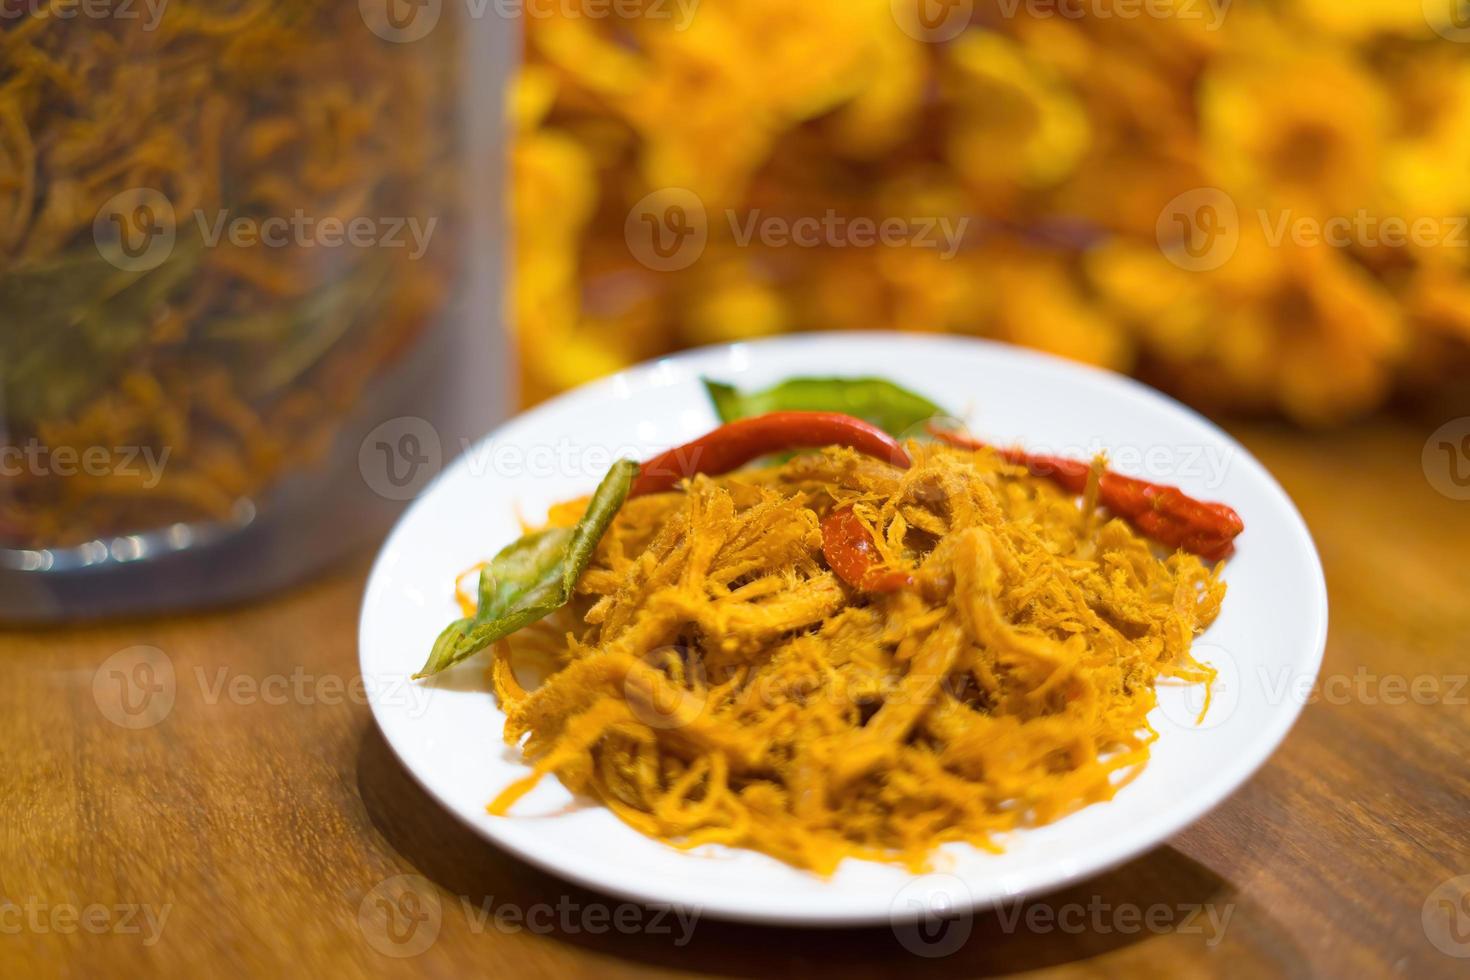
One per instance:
(252,826)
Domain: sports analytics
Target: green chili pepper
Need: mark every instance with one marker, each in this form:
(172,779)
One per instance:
(874,400)
(533,577)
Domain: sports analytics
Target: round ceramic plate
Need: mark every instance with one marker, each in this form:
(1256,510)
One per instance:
(1267,642)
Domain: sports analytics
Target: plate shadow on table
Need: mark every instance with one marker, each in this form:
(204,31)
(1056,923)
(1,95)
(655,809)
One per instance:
(473,874)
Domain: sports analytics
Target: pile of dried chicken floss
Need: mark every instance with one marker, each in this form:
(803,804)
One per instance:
(715,682)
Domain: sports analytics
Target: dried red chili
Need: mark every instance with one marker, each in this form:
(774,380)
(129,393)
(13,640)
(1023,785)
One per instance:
(850,552)
(736,443)
(1164,513)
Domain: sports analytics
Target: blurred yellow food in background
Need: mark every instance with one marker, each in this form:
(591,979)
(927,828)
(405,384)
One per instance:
(1259,210)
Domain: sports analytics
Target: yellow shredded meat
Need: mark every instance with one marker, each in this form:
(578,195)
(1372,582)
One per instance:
(715,682)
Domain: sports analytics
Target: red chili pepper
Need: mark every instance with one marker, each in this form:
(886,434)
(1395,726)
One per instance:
(736,443)
(1164,513)
(850,552)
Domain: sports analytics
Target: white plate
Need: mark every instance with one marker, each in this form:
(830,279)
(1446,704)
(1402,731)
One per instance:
(1267,642)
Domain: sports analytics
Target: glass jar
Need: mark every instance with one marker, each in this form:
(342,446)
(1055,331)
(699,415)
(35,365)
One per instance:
(249,287)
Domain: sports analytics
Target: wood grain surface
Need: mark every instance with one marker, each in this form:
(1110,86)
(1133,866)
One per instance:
(247,818)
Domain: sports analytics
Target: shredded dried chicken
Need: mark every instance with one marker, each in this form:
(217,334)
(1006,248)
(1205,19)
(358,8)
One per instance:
(715,682)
